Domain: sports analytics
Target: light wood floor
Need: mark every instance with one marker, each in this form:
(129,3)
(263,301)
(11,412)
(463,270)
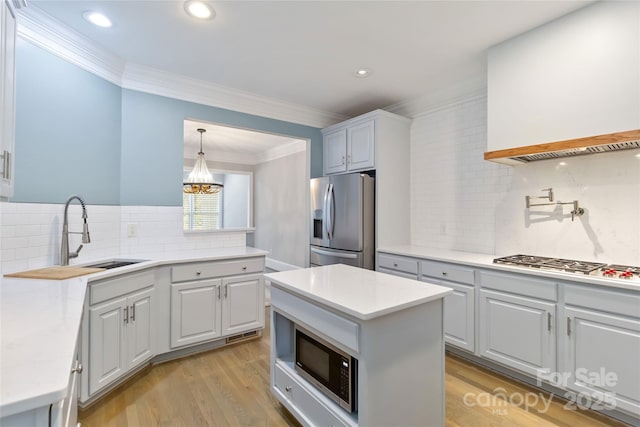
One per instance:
(230,387)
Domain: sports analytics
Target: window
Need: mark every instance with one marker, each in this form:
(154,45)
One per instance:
(202,211)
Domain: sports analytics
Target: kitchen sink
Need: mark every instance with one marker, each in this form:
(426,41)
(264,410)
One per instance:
(114,263)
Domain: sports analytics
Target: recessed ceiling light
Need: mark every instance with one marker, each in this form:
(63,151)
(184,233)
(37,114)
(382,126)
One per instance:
(199,9)
(362,72)
(97,18)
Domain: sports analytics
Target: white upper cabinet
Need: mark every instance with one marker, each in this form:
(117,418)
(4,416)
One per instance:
(574,77)
(350,149)
(7,96)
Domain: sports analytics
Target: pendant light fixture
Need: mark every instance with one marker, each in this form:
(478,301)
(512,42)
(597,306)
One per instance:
(200,180)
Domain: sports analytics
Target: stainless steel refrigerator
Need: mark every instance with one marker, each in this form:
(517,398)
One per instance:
(342,220)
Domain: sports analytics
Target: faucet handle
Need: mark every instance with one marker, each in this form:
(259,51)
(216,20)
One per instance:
(75,254)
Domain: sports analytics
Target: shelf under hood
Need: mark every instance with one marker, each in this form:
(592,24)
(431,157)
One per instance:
(574,147)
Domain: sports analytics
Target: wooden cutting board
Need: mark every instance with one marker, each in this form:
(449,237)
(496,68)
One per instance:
(57,272)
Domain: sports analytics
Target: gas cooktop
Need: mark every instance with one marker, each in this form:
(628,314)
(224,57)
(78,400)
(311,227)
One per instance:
(599,269)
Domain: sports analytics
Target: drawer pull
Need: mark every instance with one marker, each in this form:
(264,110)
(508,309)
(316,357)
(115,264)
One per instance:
(444,273)
(244,268)
(198,273)
(287,388)
(395,264)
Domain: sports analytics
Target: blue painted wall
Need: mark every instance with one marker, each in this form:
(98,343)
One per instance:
(78,133)
(67,131)
(152,139)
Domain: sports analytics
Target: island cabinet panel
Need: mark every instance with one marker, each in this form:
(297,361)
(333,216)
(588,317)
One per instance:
(340,331)
(316,406)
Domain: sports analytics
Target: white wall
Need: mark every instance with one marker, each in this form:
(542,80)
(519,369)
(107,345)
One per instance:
(459,201)
(31,233)
(281,208)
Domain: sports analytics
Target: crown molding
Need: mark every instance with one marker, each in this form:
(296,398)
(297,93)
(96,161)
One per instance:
(157,82)
(44,31)
(280,151)
(448,95)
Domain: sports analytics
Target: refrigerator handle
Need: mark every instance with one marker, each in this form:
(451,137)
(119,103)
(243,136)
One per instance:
(325,210)
(332,211)
(333,254)
(328,210)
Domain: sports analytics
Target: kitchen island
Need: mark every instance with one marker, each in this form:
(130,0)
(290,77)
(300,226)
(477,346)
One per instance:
(390,325)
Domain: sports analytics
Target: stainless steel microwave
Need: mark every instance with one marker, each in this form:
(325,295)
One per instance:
(331,370)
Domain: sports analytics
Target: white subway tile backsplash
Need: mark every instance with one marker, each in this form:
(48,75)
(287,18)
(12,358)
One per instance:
(30,234)
(459,201)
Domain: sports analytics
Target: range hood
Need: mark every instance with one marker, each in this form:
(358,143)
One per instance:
(627,140)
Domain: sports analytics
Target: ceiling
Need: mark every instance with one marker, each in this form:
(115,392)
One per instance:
(306,52)
(234,145)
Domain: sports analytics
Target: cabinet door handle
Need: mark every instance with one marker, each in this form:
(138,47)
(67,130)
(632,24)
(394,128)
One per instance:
(568,326)
(549,322)
(287,388)
(126,314)
(226,290)
(78,369)
(133,313)
(6,165)
(218,291)
(343,160)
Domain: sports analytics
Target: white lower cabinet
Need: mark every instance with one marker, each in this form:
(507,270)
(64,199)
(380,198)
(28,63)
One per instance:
(195,312)
(122,336)
(518,331)
(602,347)
(459,316)
(213,308)
(243,304)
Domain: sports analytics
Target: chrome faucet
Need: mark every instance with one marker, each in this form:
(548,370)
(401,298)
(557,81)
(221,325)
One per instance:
(64,249)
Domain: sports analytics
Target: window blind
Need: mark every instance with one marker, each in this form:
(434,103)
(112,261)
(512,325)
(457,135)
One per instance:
(201,211)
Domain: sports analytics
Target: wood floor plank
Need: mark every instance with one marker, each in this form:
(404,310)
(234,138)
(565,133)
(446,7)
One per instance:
(229,386)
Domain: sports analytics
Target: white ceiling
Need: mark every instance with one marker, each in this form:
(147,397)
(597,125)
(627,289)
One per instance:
(305,52)
(234,145)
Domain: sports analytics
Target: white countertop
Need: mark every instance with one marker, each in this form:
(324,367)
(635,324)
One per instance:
(40,325)
(363,294)
(40,321)
(486,261)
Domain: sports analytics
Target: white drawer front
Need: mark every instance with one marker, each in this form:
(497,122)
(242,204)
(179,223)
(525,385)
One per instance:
(398,263)
(111,288)
(335,329)
(302,398)
(207,270)
(452,272)
(519,284)
(614,301)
